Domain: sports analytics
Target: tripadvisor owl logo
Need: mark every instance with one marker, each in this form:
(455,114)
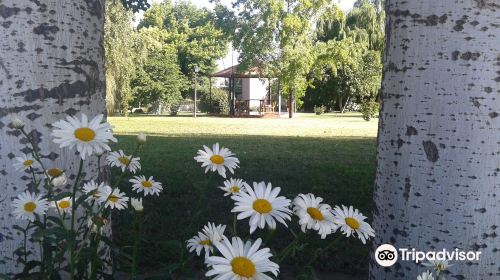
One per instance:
(386,255)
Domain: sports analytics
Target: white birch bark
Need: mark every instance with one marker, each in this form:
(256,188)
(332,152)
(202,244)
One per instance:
(51,65)
(438,173)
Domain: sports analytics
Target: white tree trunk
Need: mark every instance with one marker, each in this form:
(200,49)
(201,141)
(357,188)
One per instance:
(51,65)
(438,173)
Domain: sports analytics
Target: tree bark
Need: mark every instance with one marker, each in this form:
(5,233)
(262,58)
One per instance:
(291,104)
(51,65)
(437,182)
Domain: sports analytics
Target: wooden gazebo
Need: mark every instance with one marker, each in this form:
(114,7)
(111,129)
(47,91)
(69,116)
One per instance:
(242,106)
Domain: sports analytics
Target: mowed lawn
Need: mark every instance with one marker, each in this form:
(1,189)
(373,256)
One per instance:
(332,156)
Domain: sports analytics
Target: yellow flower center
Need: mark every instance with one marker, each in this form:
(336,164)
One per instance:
(124,160)
(351,222)
(234,189)
(243,267)
(262,206)
(29,206)
(315,213)
(54,172)
(216,159)
(147,184)
(28,163)
(205,242)
(85,134)
(113,198)
(64,204)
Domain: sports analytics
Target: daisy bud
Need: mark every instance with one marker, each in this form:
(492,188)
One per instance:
(141,138)
(17,123)
(137,204)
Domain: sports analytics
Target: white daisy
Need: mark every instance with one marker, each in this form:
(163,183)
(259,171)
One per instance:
(97,224)
(88,137)
(314,215)
(113,198)
(119,159)
(241,261)
(93,190)
(438,265)
(234,186)
(25,162)
(17,122)
(141,138)
(210,235)
(217,159)
(64,205)
(148,186)
(57,177)
(27,204)
(262,205)
(425,276)
(351,221)
(137,204)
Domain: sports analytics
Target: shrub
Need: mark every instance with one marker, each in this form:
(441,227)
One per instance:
(369,109)
(319,109)
(220,101)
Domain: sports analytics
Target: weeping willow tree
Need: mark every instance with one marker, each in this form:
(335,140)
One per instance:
(348,66)
(119,38)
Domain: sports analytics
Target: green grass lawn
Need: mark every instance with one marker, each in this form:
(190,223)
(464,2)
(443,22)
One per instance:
(332,156)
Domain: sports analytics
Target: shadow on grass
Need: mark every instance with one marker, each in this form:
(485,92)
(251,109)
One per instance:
(341,170)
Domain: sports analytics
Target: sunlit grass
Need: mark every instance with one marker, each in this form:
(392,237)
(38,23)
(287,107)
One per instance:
(330,156)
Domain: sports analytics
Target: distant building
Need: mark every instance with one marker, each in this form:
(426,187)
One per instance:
(249,92)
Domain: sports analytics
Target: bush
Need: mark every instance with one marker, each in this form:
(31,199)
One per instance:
(220,102)
(369,109)
(319,109)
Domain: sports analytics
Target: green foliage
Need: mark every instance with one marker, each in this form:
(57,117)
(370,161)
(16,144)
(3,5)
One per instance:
(219,101)
(348,66)
(135,5)
(195,33)
(159,81)
(119,39)
(370,109)
(276,36)
(319,109)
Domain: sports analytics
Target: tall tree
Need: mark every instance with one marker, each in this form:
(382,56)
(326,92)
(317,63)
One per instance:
(192,31)
(159,80)
(278,36)
(438,175)
(121,58)
(51,64)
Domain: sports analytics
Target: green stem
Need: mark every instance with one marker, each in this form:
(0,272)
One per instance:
(285,252)
(73,214)
(235,225)
(138,228)
(26,243)
(323,250)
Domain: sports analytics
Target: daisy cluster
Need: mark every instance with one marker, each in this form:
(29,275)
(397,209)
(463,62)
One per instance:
(88,138)
(264,207)
(54,209)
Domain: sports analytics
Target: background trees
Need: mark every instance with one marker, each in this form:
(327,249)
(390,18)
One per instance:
(121,59)
(348,64)
(321,55)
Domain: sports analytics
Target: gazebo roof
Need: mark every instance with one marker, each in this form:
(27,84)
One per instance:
(233,72)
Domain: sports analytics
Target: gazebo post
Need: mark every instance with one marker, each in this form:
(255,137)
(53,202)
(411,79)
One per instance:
(279,97)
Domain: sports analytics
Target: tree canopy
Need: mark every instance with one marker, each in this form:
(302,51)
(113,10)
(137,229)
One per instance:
(320,54)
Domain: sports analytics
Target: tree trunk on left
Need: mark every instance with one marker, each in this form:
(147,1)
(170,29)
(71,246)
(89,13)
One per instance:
(51,65)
